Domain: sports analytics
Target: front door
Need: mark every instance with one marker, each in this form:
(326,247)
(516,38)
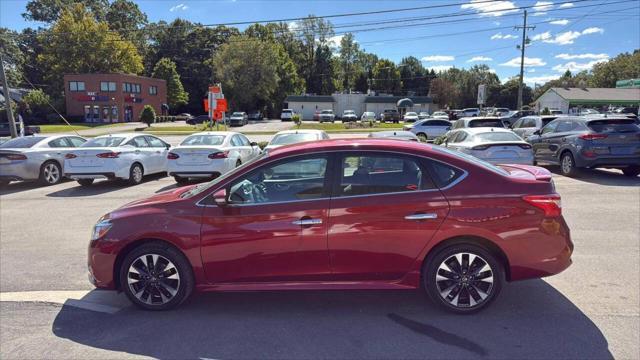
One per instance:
(274,227)
(542,145)
(384,212)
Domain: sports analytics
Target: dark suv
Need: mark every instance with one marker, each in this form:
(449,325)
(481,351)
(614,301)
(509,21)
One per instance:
(391,115)
(577,142)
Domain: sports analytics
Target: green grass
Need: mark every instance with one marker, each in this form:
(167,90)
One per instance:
(182,129)
(55,128)
(338,127)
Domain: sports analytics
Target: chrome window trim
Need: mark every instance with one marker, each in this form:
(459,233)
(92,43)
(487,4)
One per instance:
(449,186)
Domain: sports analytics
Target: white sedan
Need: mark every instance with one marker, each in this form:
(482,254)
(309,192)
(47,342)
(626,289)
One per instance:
(210,154)
(288,137)
(410,117)
(494,145)
(119,156)
(429,129)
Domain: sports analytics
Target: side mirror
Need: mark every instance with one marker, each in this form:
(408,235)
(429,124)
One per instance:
(220,197)
(253,143)
(167,146)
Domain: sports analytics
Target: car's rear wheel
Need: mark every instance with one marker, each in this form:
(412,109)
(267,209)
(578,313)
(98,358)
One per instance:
(422,137)
(156,276)
(568,165)
(85,182)
(50,173)
(136,173)
(631,171)
(181,180)
(463,278)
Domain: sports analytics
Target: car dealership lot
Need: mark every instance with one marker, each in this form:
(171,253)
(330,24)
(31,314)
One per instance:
(590,310)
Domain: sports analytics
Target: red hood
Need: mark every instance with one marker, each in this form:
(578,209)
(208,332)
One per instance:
(147,205)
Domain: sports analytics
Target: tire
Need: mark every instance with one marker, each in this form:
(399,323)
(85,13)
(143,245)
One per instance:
(136,173)
(50,173)
(568,165)
(631,171)
(423,137)
(181,180)
(85,182)
(156,288)
(469,297)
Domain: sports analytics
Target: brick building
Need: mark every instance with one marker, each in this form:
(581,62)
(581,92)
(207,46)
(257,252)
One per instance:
(112,98)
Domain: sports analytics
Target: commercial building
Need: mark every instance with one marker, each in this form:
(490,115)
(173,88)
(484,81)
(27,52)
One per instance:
(569,100)
(307,105)
(111,98)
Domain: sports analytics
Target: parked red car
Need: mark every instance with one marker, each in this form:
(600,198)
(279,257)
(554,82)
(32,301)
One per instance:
(339,214)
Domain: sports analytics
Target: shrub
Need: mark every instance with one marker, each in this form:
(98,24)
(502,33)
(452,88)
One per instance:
(545,111)
(148,115)
(296,119)
(263,144)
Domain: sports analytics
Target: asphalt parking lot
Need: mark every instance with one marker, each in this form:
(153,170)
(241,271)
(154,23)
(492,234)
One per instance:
(592,310)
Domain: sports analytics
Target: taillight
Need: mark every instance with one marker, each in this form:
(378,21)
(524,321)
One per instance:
(592,136)
(525,146)
(219,155)
(172,156)
(480,147)
(589,153)
(16,157)
(70,156)
(550,204)
(108,155)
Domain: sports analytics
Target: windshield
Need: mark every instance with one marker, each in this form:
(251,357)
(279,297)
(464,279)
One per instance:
(327,111)
(22,142)
(286,111)
(203,140)
(349,112)
(497,136)
(286,139)
(107,141)
(204,186)
(237,114)
(485,123)
(614,126)
(412,114)
(472,159)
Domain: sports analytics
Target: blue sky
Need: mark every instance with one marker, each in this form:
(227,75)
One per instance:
(568,35)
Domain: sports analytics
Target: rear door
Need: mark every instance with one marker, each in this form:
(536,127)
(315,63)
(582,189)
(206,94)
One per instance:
(142,154)
(560,138)
(541,145)
(384,210)
(158,153)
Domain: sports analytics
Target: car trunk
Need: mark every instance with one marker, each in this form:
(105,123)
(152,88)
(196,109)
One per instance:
(194,155)
(8,156)
(88,157)
(501,150)
(527,172)
(613,136)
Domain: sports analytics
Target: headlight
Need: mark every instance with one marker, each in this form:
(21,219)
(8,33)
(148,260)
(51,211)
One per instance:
(100,229)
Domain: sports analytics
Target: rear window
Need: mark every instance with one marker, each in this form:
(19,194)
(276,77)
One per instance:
(286,139)
(436,123)
(104,142)
(497,136)
(22,142)
(485,123)
(204,140)
(613,126)
(287,111)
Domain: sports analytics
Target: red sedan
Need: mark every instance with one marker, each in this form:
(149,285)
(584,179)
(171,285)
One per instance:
(339,214)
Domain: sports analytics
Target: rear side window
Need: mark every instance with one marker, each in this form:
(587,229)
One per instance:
(437,123)
(138,142)
(613,126)
(59,143)
(76,142)
(485,123)
(567,125)
(443,175)
(381,174)
(155,142)
(22,142)
(107,141)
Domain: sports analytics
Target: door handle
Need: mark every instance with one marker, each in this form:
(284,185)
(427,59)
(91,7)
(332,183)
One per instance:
(307,222)
(429,216)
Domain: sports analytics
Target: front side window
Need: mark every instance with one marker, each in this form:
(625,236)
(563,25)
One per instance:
(379,174)
(139,142)
(551,127)
(107,141)
(291,180)
(76,141)
(59,143)
(235,141)
(155,142)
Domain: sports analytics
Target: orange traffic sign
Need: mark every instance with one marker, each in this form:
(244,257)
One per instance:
(221,104)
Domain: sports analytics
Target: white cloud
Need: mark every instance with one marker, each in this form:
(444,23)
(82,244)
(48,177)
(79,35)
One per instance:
(541,7)
(515,62)
(499,36)
(480,58)
(539,79)
(559,22)
(334,41)
(494,8)
(576,67)
(592,30)
(439,68)
(566,5)
(582,56)
(293,25)
(438,58)
(531,70)
(565,38)
(178,7)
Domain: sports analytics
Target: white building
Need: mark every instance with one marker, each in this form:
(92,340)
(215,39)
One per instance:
(568,100)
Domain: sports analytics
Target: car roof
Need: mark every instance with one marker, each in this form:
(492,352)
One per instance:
(481,130)
(469,119)
(303,131)
(221,133)
(381,144)
(390,133)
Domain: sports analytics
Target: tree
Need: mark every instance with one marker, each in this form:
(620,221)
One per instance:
(35,104)
(506,95)
(77,43)
(148,115)
(386,77)
(443,92)
(49,11)
(12,56)
(315,33)
(126,18)
(248,71)
(349,50)
(176,96)
(414,76)
(622,67)
(324,72)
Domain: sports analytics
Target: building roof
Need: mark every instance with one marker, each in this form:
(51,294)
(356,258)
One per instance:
(395,99)
(309,98)
(605,95)
(16,94)
(114,73)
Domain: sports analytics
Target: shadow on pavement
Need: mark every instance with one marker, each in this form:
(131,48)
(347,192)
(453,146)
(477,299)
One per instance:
(19,186)
(602,177)
(100,187)
(529,320)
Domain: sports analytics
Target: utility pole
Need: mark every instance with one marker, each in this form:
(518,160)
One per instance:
(524,28)
(7,100)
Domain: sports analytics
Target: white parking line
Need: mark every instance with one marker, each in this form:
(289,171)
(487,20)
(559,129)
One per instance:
(103,301)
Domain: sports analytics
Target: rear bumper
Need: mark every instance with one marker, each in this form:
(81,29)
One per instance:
(613,161)
(195,174)
(96,175)
(19,172)
(216,168)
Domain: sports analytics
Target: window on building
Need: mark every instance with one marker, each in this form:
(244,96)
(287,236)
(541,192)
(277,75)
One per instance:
(126,87)
(136,88)
(107,86)
(76,86)
(153,90)
(112,86)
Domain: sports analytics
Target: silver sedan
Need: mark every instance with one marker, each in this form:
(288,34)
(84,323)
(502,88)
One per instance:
(494,145)
(36,158)
(429,129)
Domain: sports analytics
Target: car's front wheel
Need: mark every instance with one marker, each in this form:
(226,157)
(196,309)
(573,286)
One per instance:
(463,278)
(422,137)
(156,276)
